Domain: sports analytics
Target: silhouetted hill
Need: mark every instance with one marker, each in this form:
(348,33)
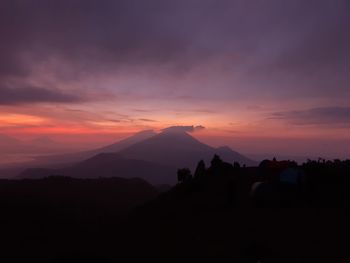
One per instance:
(118,192)
(137,137)
(56,218)
(179,149)
(276,212)
(227,154)
(110,165)
(261,214)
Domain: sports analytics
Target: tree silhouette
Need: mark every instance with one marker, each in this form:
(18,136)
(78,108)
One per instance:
(216,162)
(200,170)
(184,175)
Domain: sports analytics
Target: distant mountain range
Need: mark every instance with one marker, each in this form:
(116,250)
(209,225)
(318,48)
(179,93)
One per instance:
(147,155)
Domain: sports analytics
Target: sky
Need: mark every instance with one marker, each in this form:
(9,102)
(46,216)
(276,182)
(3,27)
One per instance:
(260,76)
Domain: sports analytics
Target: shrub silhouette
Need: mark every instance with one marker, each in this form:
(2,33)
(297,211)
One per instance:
(216,162)
(184,175)
(236,166)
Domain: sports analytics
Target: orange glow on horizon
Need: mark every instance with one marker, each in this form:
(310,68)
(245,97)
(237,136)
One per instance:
(9,120)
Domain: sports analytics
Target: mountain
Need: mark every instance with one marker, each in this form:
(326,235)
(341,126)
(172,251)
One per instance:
(227,154)
(80,156)
(110,165)
(179,149)
(146,155)
(137,137)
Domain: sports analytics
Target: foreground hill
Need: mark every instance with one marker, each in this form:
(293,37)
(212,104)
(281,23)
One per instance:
(51,219)
(232,214)
(120,193)
(277,212)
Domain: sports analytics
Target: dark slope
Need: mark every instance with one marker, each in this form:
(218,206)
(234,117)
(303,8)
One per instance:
(179,149)
(54,219)
(216,218)
(110,165)
(137,137)
(120,193)
(229,155)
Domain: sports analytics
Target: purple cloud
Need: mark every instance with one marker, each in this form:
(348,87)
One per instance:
(316,116)
(32,94)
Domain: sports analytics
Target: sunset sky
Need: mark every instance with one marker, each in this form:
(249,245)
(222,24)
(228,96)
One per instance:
(261,76)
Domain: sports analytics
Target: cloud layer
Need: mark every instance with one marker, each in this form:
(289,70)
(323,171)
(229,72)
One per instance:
(184,128)
(88,66)
(299,43)
(316,116)
(32,94)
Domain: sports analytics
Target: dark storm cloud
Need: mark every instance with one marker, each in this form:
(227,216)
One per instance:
(89,33)
(306,38)
(316,116)
(31,94)
(161,30)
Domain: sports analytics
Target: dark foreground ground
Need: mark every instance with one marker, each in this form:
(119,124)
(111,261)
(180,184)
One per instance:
(295,214)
